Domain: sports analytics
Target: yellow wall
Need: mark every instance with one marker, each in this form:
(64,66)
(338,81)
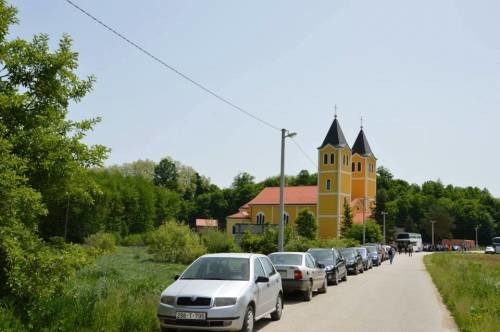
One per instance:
(231,222)
(271,212)
(327,227)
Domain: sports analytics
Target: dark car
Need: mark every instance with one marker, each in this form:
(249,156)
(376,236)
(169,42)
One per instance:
(354,261)
(367,262)
(374,255)
(334,263)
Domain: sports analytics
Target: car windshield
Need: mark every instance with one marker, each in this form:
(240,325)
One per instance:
(371,249)
(218,268)
(362,252)
(348,253)
(322,255)
(286,259)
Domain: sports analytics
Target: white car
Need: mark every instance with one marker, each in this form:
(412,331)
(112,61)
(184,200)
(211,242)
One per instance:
(489,250)
(227,292)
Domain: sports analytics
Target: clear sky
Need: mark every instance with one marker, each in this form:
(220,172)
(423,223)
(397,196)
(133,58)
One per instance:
(425,76)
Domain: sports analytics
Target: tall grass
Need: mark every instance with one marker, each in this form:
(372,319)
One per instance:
(470,287)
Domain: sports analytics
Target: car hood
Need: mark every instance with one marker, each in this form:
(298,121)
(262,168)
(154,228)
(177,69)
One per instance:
(206,288)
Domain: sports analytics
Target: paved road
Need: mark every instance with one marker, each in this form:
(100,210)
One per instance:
(398,297)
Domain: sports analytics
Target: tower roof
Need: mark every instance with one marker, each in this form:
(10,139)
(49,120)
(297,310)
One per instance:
(335,136)
(361,145)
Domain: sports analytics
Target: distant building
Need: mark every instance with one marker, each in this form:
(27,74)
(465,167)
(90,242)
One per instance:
(202,224)
(343,174)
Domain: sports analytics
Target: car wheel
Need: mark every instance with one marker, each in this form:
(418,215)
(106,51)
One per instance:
(336,278)
(362,269)
(345,276)
(323,289)
(249,320)
(276,314)
(356,271)
(308,294)
(168,329)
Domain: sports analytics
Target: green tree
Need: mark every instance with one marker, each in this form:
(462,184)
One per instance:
(444,225)
(165,174)
(306,224)
(373,232)
(346,218)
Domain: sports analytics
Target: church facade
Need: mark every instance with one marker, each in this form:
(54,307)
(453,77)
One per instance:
(345,174)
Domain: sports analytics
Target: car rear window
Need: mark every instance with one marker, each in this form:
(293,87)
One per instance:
(286,259)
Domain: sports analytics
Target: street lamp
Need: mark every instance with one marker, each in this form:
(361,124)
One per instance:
(477,244)
(432,223)
(383,215)
(364,225)
(281,234)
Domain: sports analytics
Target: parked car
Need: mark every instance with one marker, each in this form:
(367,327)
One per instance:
(222,292)
(380,250)
(374,255)
(456,248)
(334,263)
(353,260)
(367,262)
(489,250)
(300,272)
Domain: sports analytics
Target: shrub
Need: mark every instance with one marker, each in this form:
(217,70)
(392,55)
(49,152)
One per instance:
(173,242)
(133,240)
(103,242)
(216,241)
(373,233)
(306,224)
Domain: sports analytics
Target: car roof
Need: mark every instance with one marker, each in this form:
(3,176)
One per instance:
(288,252)
(234,255)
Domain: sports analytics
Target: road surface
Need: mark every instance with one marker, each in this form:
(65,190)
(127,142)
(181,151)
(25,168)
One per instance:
(398,297)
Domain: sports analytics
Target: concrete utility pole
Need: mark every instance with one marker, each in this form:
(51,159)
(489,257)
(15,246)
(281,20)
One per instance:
(364,225)
(432,223)
(281,232)
(383,215)
(477,244)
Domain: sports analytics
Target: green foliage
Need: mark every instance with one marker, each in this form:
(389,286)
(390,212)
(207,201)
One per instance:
(133,240)
(216,241)
(347,218)
(102,242)
(373,232)
(173,242)
(470,287)
(306,225)
(165,174)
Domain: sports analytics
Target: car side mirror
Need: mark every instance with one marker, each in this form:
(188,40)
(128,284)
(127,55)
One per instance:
(176,277)
(261,279)
(321,266)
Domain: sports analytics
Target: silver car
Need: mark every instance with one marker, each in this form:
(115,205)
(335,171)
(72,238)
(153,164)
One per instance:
(300,272)
(222,292)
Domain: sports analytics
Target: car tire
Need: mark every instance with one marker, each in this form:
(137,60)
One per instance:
(167,329)
(308,293)
(323,289)
(362,269)
(356,271)
(249,320)
(276,314)
(345,277)
(336,279)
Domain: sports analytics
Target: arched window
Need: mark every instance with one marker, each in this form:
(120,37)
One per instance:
(332,158)
(353,167)
(325,159)
(359,167)
(261,218)
(286,218)
(328,184)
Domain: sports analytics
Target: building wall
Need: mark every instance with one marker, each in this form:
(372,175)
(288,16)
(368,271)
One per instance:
(364,182)
(271,212)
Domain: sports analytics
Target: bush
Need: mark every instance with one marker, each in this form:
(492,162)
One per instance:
(306,225)
(216,241)
(133,240)
(173,242)
(102,242)
(373,233)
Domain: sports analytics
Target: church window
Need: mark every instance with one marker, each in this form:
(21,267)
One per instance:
(328,184)
(332,158)
(286,218)
(359,167)
(261,218)
(353,167)
(325,159)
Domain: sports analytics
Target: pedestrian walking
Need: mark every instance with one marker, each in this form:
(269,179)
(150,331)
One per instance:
(410,250)
(392,253)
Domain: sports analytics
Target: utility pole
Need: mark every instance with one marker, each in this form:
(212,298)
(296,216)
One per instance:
(383,215)
(281,232)
(477,244)
(432,223)
(364,225)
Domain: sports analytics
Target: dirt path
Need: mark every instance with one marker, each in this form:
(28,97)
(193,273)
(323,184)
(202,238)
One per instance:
(398,297)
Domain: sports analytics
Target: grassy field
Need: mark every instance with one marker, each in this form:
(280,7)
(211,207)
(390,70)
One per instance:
(119,293)
(470,287)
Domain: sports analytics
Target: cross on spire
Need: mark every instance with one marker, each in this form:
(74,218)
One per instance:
(361,122)
(335,108)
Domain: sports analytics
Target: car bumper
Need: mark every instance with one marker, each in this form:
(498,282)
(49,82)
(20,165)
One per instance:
(228,318)
(290,285)
(330,275)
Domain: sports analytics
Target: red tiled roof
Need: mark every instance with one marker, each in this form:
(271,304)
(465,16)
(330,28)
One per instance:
(206,223)
(240,215)
(293,195)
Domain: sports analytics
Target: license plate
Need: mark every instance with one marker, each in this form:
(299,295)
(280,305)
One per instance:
(191,315)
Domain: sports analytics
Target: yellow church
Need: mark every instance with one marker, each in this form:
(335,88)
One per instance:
(343,174)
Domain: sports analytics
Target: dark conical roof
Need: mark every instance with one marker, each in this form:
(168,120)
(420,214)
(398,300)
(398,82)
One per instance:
(335,136)
(361,145)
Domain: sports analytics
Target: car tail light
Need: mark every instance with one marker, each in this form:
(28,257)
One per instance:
(297,274)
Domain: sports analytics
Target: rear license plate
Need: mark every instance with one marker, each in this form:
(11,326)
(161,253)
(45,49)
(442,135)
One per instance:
(191,315)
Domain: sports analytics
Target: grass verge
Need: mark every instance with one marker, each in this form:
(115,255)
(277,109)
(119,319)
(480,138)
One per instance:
(470,287)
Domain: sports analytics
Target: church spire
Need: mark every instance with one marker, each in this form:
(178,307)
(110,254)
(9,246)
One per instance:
(361,145)
(335,137)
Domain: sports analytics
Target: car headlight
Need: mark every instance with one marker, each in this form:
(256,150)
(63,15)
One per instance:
(170,300)
(224,301)
(329,267)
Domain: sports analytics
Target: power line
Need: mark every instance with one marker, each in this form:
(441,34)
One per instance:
(178,72)
(303,152)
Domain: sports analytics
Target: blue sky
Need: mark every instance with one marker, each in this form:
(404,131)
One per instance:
(425,76)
